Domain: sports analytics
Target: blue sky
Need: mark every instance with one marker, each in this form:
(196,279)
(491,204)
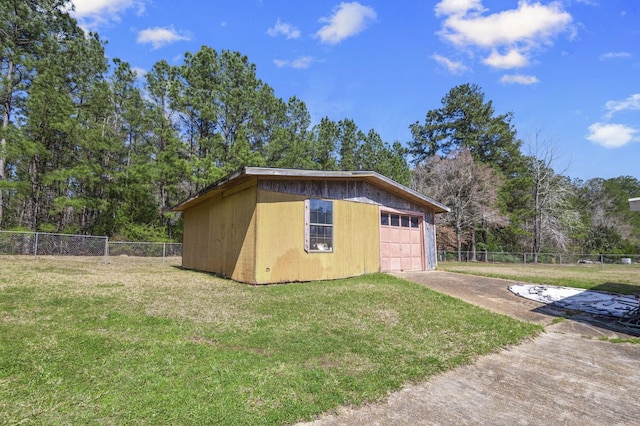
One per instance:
(569,70)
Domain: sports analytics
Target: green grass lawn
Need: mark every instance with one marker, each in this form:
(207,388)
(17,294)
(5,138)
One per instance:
(623,279)
(138,342)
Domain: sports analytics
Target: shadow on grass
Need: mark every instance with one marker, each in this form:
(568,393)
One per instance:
(618,288)
(211,274)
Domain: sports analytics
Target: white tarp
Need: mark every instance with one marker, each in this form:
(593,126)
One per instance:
(595,302)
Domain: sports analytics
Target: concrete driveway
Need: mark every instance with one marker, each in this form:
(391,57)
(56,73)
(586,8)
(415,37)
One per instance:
(568,375)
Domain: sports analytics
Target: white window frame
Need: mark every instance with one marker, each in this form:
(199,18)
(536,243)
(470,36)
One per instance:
(309,245)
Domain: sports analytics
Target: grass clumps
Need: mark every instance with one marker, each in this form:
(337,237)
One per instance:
(623,279)
(135,341)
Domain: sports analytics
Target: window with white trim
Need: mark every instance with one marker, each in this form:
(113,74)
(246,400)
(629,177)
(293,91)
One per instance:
(318,225)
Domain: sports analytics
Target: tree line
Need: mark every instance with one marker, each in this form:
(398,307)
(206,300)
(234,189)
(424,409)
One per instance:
(89,147)
(504,193)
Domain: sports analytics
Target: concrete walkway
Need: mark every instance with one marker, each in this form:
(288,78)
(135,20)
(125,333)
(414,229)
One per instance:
(568,375)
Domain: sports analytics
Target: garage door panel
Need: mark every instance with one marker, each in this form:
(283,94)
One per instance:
(395,264)
(406,263)
(401,246)
(416,263)
(385,264)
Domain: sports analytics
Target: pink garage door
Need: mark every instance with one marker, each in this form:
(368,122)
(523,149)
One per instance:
(401,242)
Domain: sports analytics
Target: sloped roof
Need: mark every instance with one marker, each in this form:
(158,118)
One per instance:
(249,173)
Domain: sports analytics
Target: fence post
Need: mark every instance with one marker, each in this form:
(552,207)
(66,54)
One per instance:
(35,245)
(106,249)
(164,251)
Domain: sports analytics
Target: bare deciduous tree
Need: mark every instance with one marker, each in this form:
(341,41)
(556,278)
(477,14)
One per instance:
(468,187)
(552,216)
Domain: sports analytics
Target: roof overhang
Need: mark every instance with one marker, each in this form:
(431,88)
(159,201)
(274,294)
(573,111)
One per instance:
(249,173)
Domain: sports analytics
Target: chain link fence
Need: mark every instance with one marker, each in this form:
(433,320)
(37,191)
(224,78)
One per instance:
(542,258)
(142,249)
(48,244)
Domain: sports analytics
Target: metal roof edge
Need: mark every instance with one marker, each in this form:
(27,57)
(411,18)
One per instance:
(444,208)
(220,182)
(268,171)
(300,173)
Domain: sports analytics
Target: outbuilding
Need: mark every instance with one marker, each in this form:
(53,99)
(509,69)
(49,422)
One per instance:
(265,225)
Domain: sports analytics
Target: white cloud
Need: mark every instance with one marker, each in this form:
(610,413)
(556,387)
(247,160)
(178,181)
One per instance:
(94,13)
(302,62)
(611,135)
(513,59)
(519,79)
(298,63)
(453,67)
(458,7)
(614,55)
(85,8)
(159,37)
(529,24)
(140,72)
(520,31)
(348,19)
(632,103)
(285,29)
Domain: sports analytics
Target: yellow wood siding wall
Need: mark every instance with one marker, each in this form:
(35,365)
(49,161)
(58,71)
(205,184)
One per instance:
(280,253)
(195,238)
(219,234)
